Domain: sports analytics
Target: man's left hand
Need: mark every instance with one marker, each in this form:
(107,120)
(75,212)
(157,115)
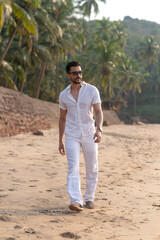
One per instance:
(97,136)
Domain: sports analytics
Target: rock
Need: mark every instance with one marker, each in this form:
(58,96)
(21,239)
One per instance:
(110,117)
(38,133)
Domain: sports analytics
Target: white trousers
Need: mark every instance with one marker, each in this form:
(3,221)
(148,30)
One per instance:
(90,153)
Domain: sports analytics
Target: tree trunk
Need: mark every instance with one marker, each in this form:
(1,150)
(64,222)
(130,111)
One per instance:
(22,86)
(57,66)
(156,94)
(135,102)
(23,83)
(57,12)
(8,46)
(57,77)
(122,88)
(39,80)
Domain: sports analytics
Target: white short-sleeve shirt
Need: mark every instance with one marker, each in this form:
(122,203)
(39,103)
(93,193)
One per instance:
(80,120)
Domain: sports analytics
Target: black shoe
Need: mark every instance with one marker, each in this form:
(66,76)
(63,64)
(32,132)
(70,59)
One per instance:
(90,205)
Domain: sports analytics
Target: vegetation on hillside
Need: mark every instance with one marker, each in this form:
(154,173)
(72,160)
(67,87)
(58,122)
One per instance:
(39,37)
(143,45)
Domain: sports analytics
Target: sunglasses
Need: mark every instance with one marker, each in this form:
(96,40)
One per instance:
(76,73)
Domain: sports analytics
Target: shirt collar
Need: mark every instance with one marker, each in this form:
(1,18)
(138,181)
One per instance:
(83,84)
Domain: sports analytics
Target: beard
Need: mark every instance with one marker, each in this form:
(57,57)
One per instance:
(75,81)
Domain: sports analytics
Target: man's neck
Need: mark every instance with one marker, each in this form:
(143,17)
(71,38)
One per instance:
(75,86)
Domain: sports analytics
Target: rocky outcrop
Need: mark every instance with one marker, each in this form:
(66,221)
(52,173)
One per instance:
(110,118)
(20,113)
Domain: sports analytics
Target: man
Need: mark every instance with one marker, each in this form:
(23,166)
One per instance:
(77,103)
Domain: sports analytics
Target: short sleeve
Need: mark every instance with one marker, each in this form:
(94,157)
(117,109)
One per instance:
(62,104)
(96,96)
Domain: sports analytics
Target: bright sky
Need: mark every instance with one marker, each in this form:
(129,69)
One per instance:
(141,9)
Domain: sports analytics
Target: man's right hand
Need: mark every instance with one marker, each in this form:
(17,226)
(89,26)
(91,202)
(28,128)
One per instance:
(62,149)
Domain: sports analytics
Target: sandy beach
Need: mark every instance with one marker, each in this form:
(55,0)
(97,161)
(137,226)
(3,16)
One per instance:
(33,195)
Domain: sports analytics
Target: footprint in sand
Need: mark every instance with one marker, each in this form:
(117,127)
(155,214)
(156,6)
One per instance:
(30,231)
(56,221)
(70,235)
(13,170)
(10,238)
(5,218)
(3,196)
(17,227)
(51,174)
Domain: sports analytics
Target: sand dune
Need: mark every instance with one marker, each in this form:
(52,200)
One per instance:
(33,195)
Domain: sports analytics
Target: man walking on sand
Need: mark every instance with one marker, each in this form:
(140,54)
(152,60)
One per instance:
(77,103)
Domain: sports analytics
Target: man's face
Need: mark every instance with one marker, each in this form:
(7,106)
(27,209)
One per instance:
(75,75)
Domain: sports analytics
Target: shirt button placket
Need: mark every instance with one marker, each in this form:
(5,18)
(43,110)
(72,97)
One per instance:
(79,118)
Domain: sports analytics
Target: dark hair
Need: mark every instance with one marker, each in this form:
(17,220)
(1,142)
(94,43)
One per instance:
(72,64)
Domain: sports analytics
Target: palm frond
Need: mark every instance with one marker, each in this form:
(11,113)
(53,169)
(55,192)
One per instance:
(35,3)
(6,66)
(6,76)
(10,81)
(25,18)
(20,73)
(1,15)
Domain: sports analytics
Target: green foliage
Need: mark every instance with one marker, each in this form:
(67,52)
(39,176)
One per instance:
(35,3)
(150,112)
(120,58)
(87,5)
(25,18)
(1,15)
(137,30)
(6,75)
(143,45)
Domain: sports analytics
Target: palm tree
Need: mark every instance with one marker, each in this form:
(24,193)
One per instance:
(69,42)
(87,5)
(148,51)
(104,53)
(43,56)
(129,78)
(18,58)
(119,33)
(20,19)
(49,33)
